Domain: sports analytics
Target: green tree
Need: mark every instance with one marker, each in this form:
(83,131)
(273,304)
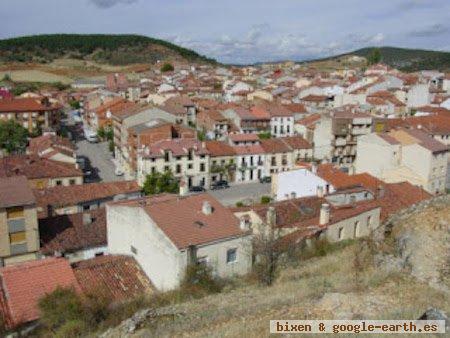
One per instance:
(374,56)
(74,104)
(13,137)
(167,67)
(265,135)
(157,183)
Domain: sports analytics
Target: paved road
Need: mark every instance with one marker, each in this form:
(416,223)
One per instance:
(100,161)
(240,192)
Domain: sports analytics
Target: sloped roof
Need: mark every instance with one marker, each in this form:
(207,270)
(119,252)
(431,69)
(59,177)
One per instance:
(23,284)
(116,277)
(14,191)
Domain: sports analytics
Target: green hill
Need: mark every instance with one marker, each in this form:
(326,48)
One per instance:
(111,49)
(405,59)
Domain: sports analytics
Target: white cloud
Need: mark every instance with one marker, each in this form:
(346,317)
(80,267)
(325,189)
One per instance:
(111,3)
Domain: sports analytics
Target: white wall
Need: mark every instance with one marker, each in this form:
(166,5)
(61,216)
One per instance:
(302,181)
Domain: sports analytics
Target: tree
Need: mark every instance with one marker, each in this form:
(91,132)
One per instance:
(13,137)
(374,56)
(75,104)
(265,135)
(167,67)
(157,183)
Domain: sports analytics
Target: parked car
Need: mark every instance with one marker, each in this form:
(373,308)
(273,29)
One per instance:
(265,179)
(197,188)
(222,184)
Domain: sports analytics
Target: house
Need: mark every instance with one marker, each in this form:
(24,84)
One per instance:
(305,126)
(33,113)
(247,121)
(250,163)
(183,108)
(404,155)
(18,221)
(213,123)
(76,237)
(336,218)
(53,147)
(166,233)
(40,172)
(65,200)
(281,118)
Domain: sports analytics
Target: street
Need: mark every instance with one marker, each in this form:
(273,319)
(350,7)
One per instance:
(99,161)
(241,192)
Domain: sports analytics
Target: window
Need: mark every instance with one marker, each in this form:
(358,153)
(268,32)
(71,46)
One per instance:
(202,260)
(178,170)
(202,167)
(273,161)
(369,221)
(72,182)
(133,250)
(190,166)
(166,156)
(18,237)
(341,233)
(356,229)
(153,170)
(58,182)
(14,212)
(231,255)
(166,168)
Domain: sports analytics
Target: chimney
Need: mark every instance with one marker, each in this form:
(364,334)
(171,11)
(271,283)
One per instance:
(293,194)
(87,219)
(271,216)
(319,191)
(314,168)
(207,208)
(324,214)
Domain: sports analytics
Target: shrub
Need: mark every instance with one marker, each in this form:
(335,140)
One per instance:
(71,329)
(60,307)
(265,199)
(167,67)
(239,204)
(200,281)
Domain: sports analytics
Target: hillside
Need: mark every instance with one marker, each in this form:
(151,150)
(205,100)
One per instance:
(405,59)
(106,49)
(399,278)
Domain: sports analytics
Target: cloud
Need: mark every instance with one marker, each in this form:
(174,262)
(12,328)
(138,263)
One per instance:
(365,39)
(111,3)
(429,31)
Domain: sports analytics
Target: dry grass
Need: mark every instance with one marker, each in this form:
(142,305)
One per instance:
(319,288)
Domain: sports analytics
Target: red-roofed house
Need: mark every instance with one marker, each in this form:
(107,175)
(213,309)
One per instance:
(166,233)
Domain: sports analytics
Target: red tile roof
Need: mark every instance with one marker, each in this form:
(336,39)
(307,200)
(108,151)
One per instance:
(24,105)
(60,196)
(296,142)
(219,148)
(34,167)
(118,278)
(184,223)
(23,284)
(275,145)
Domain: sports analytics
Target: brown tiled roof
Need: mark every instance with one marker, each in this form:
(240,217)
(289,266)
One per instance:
(14,191)
(410,136)
(315,98)
(42,143)
(22,285)
(67,233)
(184,223)
(219,148)
(274,145)
(296,107)
(249,149)
(243,137)
(34,167)
(74,194)
(178,147)
(334,176)
(296,142)
(24,105)
(118,278)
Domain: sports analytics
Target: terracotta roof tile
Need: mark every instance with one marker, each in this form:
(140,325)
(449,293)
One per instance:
(14,191)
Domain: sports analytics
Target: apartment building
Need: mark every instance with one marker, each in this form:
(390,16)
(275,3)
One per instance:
(148,133)
(404,155)
(336,134)
(187,159)
(281,119)
(246,121)
(32,113)
(222,161)
(250,163)
(19,239)
(53,147)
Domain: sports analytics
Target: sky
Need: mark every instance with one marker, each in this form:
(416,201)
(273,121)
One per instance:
(243,31)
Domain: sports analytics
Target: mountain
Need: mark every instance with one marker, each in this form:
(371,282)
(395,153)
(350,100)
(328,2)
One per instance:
(102,48)
(404,58)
